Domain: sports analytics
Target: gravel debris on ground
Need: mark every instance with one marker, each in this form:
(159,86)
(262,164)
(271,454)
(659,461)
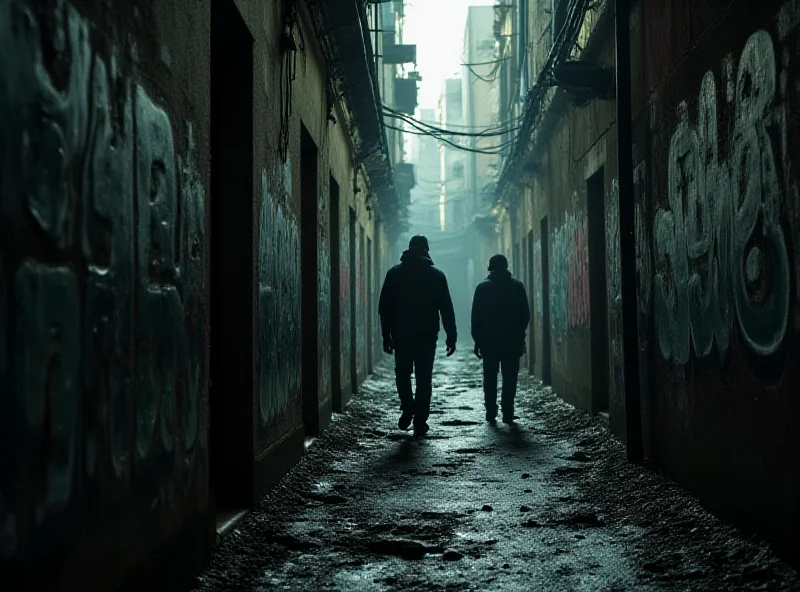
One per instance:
(548,503)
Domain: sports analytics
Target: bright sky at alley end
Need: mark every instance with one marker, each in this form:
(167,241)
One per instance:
(437,29)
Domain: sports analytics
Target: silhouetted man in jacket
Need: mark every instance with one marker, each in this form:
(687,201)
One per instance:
(500,317)
(414,294)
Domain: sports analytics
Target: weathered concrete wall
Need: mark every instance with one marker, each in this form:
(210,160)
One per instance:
(105,280)
(718,209)
(575,143)
(103,287)
(279,424)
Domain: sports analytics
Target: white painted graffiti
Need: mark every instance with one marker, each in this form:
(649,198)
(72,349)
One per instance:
(726,252)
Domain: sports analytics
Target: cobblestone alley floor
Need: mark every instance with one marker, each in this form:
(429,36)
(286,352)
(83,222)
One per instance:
(550,504)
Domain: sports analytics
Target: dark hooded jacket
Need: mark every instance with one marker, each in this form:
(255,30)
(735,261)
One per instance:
(500,314)
(413,296)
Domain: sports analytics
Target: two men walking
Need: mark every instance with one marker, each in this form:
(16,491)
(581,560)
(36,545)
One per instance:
(415,295)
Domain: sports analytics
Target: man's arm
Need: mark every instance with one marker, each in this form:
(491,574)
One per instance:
(447,312)
(477,306)
(525,311)
(385,305)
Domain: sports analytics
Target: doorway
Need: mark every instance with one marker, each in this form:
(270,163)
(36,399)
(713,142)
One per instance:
(231,383)
(598,294)
(353,307)
(370,341)
(336,304)
(308,281)
(547,377)
(529,288)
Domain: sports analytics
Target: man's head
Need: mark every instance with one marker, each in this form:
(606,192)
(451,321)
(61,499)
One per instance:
(418,243)
(498,263)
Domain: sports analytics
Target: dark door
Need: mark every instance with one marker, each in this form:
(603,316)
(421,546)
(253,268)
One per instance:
(547,377)
(336,305)
(598,294)
(308,281)
(231,221)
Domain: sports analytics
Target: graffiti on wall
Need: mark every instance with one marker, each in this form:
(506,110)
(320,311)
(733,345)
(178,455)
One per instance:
(344,302)
(614,289)
(614,264)
(643,242)
(720,249)
(324,318)
(278,296)
(108,401)
(538,296)
(569,279)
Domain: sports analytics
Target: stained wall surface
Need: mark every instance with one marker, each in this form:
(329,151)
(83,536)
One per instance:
(717,209)
(718,212)
(103,285)
(106,198)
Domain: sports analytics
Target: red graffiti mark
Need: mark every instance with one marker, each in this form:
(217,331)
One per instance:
(578,280)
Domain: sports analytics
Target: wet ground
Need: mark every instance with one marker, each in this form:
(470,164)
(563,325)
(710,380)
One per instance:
(547,504)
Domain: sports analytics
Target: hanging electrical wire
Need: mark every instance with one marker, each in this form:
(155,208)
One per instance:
(435,132)
(496,130)
(535,98)
(492,150)
(489,63)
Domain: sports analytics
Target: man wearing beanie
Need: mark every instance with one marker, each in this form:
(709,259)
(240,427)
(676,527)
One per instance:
(500,316)
(413,296)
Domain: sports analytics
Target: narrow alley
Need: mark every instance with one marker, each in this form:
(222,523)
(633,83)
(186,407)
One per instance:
(548,503)
(231,229)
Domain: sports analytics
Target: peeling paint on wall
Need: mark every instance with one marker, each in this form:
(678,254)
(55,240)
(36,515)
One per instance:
(278,297)
(727,252)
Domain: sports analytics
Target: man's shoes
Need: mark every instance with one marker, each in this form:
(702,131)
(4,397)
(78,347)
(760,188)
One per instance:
(491,413)
(420,429)
(405,420)
(508,418)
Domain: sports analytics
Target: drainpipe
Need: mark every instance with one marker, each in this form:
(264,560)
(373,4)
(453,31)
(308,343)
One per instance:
(627,233)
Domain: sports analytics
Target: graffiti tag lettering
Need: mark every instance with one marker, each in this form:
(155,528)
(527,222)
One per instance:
(727,250)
